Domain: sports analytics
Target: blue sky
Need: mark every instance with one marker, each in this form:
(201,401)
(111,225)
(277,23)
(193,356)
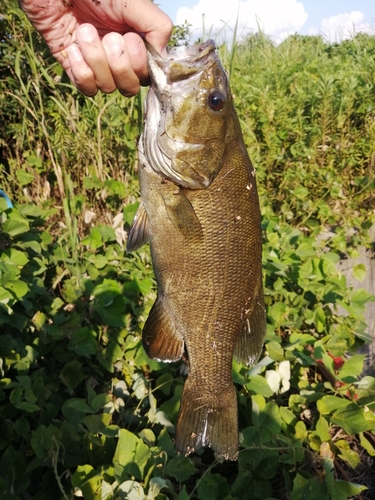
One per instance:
(334,19)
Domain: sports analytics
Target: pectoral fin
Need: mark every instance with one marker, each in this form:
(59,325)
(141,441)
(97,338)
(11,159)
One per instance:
(160,338)
(182,215)
(139,231)
(250,341)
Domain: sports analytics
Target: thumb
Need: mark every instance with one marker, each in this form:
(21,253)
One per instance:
(145,17)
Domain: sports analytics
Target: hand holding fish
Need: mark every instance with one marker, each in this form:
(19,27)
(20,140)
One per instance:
(98,43)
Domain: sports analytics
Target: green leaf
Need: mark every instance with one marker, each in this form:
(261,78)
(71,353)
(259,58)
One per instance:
(132,490)
(361,297)
(71,375)
(275,351)
(350,490)
(129,212)
(87,481)
(329,404)
(19,288)
(83,342)
(148,437)
(322,429)
(35,161)
(359,272)
(288,416)
(351,419)
(115,187)
(28,407)
(131,456)
(94,239)
(145,286)
(45,439)
(346,453)
(308,489)
(75,410)
(181,468)
(15,225)
(99,401)
(183,495)
(14,257)
(365,443)
(352,368)
(165,442)
(24,177)
(278,313)
(164,383)
(95,423)
(212,487)
(13,477)
(259,385)
(100,261)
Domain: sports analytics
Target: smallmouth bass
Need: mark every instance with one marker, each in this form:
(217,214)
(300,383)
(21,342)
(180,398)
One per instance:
(200,213)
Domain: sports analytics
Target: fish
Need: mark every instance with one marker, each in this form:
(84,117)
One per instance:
(199,211)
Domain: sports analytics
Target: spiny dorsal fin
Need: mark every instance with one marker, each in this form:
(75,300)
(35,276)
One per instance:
(139,231)
(160,338)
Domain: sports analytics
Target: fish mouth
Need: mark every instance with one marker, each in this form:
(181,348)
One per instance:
(180,63)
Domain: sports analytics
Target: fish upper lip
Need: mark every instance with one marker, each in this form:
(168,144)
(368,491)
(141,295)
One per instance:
(181,62)
(193,53)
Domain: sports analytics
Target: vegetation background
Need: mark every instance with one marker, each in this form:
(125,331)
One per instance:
(83,412)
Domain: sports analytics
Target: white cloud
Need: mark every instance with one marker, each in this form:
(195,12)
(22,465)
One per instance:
(277,18)
(343,26)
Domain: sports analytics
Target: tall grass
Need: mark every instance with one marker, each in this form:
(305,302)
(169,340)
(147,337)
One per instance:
(307,111)
(51,130)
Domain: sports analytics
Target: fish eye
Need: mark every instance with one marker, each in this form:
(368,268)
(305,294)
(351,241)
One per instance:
(216,100)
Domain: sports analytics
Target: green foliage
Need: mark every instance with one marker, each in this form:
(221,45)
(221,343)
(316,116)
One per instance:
(53,130)
(83,412)
(83,409)
(307,112)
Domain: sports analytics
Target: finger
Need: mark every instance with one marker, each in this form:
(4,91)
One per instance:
(120,63)
(160,36)
(147,18)
(79,72)
(95,56)
(138,56)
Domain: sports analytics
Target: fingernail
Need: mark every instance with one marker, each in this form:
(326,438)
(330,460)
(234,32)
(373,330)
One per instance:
(74,53)
(86,33)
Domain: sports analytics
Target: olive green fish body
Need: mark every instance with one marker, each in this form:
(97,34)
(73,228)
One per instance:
(206,252)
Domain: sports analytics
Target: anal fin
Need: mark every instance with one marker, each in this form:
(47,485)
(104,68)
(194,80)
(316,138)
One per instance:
(250,341)
(139,231)
(161,340)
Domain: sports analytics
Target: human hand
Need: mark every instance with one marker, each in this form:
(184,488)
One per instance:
(98,42)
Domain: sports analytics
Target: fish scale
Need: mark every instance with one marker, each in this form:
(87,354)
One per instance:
(200,214)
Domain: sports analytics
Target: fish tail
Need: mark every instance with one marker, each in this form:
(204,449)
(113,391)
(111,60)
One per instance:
(208,421)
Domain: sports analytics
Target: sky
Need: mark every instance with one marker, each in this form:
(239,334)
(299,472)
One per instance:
(335,20)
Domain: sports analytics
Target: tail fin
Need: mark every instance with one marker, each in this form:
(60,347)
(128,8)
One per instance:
(207,420)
